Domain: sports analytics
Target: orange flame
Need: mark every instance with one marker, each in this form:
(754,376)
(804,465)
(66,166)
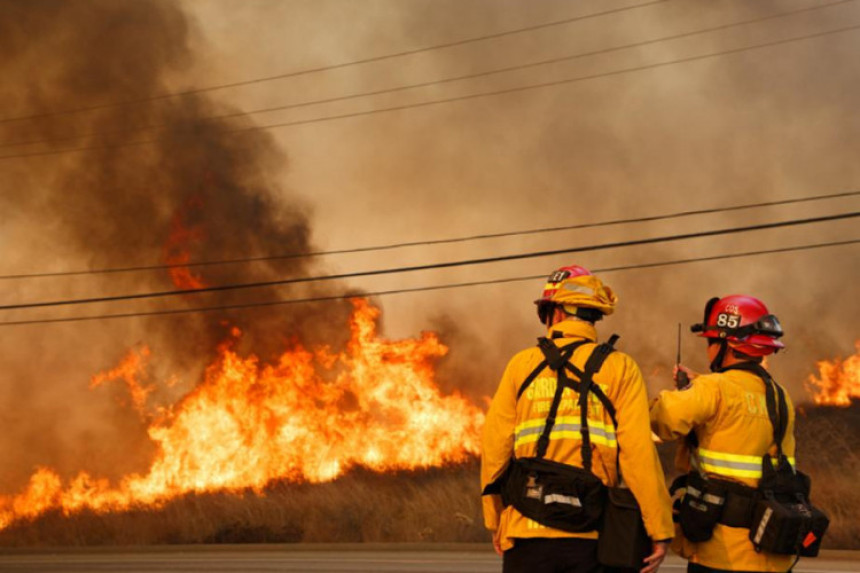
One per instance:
(132,370)
(247,423)
(838,382)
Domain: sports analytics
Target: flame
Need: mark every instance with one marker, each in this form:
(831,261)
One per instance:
(132,370)
(182,236)
(838,380)
(248,423)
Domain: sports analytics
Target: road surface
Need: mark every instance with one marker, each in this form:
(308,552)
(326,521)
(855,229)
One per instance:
(351,558)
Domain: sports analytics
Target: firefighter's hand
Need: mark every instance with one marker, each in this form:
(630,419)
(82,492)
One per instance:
(691,374)
(497,545)
(653,561)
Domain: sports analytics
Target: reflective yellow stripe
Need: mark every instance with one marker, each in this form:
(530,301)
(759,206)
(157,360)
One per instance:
(566,427)
(734,465)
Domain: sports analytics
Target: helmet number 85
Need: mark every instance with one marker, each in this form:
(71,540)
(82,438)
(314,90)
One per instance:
(728,320)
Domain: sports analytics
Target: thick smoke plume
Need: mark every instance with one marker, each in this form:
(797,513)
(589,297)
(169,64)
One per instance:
(198,189)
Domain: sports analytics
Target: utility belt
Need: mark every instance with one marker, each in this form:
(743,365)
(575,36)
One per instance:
(782,522)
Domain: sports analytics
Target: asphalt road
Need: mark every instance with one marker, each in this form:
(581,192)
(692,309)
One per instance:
(329,558)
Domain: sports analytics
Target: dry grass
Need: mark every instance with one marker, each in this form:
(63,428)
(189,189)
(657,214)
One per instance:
(827,451)
(436,505)
(439,505)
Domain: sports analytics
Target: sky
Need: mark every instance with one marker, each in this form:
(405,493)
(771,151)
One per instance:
(623,137)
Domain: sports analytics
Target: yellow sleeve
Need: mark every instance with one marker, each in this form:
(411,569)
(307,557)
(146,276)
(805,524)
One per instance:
(640,464)
(675,413)
(497,442)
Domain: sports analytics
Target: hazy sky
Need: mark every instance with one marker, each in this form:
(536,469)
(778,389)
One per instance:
(754,126)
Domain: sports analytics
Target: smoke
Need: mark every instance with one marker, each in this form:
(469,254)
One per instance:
(197,189)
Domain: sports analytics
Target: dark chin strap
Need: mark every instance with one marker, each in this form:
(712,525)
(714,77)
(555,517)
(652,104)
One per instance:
(717,362)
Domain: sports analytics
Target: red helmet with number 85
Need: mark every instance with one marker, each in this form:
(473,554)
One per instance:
(744,322)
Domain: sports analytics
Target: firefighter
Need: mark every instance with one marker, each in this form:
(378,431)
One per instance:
(518,429)
(724,417)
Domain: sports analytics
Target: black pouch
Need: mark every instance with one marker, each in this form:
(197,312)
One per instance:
(784,522)
(788,528)
(701,507)
(623,541)
(554,494)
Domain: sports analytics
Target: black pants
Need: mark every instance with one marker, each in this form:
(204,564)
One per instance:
(543,555)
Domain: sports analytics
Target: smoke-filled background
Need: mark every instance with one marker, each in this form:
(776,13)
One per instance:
(188,178)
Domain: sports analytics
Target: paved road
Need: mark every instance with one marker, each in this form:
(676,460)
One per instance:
(328,558)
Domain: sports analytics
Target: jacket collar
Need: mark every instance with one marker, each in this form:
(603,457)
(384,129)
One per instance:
(573,329)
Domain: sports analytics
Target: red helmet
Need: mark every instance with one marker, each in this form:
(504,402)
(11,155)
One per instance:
(744,322)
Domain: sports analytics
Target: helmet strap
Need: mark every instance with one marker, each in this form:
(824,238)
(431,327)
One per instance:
(717,362)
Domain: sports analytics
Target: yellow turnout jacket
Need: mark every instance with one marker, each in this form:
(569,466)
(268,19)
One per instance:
(513,426)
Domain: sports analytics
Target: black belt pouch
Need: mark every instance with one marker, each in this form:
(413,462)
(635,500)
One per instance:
(701,507)
(554,494)
(788,528)
(623,541)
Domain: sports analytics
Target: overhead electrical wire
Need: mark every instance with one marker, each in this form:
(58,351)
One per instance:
(329,298)
(330,67)
(431,242)
(453,99)
(444,80)
(433,266)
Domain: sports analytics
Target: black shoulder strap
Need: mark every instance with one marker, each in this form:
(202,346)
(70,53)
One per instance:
(583,387)
(586,385)
(556,359)
(553,357)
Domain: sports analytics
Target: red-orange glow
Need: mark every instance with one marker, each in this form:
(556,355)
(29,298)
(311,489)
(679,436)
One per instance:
(176,249)
(838,380)
(247,423)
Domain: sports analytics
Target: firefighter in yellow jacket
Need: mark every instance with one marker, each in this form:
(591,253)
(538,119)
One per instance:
(531,419)
(727,428)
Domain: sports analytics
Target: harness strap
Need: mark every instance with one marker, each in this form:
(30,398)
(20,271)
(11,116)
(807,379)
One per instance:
(586,384)
(564,354)
(555,359)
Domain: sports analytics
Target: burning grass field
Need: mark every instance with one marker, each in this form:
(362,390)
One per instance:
(431,505)
(357,445)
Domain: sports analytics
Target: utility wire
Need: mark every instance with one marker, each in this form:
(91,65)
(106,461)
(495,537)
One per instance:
(449,264)
(418,289)
(335,66)
(559,59)
(467,97)
(453,240)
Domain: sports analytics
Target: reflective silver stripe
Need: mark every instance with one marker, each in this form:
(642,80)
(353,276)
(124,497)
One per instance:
(713,499)
(608,436)
(732,465)
(565,499)
(693,492)
(567,428)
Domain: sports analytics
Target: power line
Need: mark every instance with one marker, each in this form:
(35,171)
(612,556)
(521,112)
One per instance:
(417,289)
(467,97)
(430,242)
(603,51)
(450,264)
(334,66)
